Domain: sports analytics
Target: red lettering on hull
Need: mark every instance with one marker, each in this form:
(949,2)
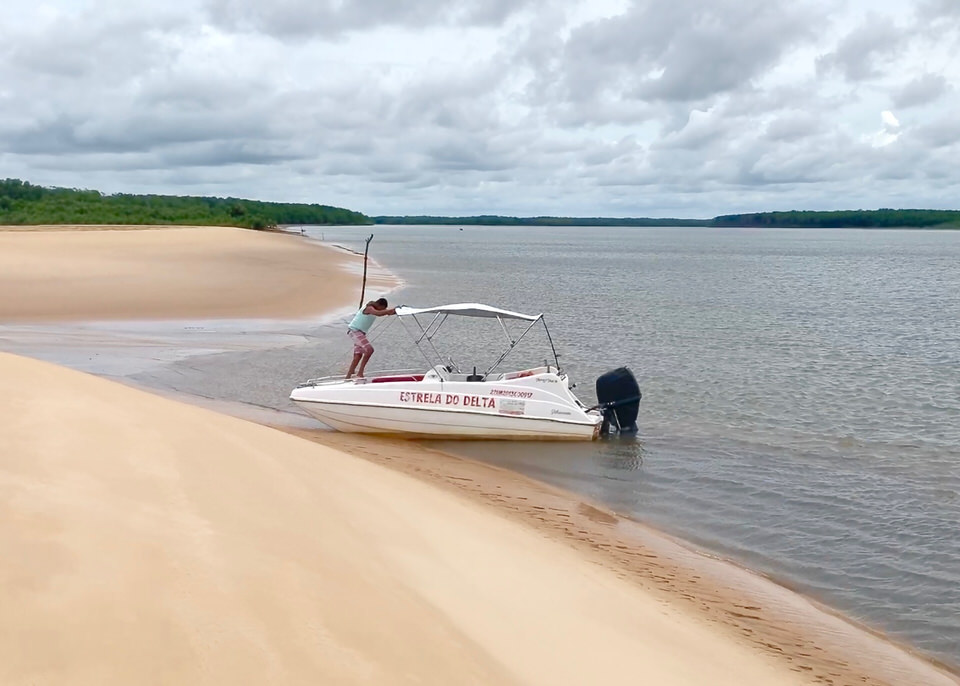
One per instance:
(478,401)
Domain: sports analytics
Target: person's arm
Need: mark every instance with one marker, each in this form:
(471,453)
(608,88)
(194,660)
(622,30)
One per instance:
(370,309)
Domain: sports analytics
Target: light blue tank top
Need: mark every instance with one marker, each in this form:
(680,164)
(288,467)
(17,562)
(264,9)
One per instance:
(362,322)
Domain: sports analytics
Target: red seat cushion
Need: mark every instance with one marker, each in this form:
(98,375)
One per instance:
(386,379)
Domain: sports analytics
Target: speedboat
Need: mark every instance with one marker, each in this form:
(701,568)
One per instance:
(444,402)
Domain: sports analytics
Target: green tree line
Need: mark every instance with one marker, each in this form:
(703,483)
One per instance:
(25,203)
(497,220)
(882,218)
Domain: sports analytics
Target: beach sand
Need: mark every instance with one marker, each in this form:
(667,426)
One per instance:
(149,541)
(812,639)
(146,540)
(75,273)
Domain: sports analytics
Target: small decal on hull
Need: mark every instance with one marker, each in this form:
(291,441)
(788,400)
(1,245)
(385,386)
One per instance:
(512,406)
(511,393)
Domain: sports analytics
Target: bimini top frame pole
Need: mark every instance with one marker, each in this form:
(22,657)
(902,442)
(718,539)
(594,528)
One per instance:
(427,335)
(474,310)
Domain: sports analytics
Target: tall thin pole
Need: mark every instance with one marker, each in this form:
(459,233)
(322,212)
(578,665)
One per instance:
(363,286)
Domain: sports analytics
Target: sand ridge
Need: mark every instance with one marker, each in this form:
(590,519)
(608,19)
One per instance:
(148,541)
(84,273)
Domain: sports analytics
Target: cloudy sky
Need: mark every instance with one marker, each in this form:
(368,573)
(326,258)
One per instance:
(683,108)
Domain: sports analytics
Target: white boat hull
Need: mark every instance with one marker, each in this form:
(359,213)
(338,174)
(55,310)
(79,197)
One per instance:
(533,405)
(443,423)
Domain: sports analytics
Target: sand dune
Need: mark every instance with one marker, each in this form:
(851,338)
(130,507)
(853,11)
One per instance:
(168,273)
(147,541)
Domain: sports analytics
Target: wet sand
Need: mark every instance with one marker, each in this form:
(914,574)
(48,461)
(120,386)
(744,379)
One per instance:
(154,541)
(813,640)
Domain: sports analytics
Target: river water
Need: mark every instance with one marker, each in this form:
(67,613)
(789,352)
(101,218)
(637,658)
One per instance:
(801,409)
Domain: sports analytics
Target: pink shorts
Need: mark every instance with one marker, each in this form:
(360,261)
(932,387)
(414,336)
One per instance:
(361,346)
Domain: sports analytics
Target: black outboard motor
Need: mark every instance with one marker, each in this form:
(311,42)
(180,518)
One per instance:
(618,397)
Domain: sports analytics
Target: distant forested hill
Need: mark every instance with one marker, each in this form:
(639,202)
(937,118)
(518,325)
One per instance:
(497,220)
(25,203)
(883,218)
(877,219)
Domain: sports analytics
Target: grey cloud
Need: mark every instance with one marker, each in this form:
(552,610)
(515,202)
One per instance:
(426,182)
(921,91)
(931,10)
(302,18)
(629,174)
(128,131)
(683,50)
(940,134)
(349,165)
(804,96)
(478,155)
(604,154)
(457,117)
(125,150)
(460,101)
(702,130)
(787,165)
(603,109)
(859,54)
(792,127)
(197,92)
(407,179)
(352,147)
(895,173)
(100,48)
(107,83)
(157,101)
(220,153)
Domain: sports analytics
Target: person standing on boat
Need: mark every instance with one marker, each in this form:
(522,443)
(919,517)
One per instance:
(357,330)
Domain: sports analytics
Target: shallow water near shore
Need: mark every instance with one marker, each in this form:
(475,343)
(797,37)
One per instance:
(801,388)
(801,409)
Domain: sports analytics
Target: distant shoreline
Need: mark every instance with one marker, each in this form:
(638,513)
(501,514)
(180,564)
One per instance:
(24,204)
(842,219)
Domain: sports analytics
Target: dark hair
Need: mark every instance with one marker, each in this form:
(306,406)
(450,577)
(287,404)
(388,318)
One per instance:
(382,302)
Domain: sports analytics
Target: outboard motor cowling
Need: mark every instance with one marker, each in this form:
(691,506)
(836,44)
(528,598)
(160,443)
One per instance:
(618,397)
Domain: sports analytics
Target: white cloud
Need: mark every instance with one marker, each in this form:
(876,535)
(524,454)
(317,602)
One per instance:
(620,107)
(890,131)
